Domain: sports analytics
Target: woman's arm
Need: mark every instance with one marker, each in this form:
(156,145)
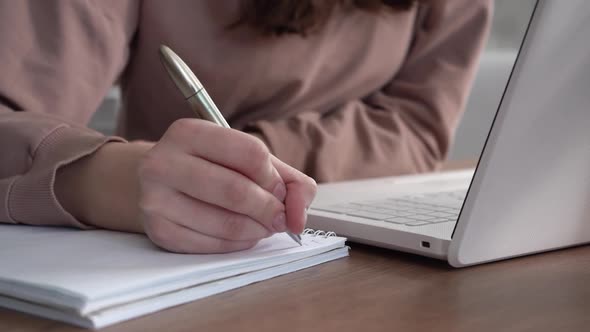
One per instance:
(58,60)
(200,189)
(407,126)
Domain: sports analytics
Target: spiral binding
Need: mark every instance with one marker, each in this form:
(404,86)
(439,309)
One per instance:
(313,232)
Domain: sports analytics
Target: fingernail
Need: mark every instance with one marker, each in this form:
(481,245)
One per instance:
(280,222)
(280,191)
(305,216)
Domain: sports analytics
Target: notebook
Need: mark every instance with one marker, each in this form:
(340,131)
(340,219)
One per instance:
(97,278)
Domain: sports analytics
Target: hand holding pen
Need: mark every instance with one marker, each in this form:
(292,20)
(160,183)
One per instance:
(219,190)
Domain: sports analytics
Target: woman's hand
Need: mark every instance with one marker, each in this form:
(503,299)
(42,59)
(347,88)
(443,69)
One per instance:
(201,189)
(204,188)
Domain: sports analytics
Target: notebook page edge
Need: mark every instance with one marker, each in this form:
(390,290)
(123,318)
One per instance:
(188,280)
(116,315)
(52,295)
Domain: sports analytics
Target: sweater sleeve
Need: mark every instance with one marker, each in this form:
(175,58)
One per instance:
(408,125)
(58,60)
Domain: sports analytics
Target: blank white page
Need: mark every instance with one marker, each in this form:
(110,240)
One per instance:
(88,270)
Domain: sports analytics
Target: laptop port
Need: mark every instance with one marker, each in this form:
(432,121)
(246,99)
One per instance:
(425,244)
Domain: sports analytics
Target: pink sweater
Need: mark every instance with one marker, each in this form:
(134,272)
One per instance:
(368,95)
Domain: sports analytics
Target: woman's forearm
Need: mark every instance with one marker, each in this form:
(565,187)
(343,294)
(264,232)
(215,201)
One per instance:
(102,189)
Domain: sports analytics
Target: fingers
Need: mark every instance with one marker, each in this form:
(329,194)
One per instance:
(201,217)
(204,188)
(207,182)
(177,238)
(248,156)
(301,190)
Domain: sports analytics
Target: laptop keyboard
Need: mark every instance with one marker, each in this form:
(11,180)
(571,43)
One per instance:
(409,210)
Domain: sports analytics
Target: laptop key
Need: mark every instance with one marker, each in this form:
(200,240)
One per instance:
(398,213)
(417,223)
(420,211)
(368,215)
(421,217)
(342,209)
(399,220)
(442,214)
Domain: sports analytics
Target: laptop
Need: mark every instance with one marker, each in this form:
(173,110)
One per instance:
(530,191)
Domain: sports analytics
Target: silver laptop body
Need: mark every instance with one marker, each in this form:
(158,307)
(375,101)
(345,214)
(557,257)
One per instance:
(531,189)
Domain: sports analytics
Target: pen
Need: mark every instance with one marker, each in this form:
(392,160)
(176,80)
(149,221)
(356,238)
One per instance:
(195,94)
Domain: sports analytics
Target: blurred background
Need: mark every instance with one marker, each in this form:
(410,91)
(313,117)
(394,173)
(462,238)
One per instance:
(510,21)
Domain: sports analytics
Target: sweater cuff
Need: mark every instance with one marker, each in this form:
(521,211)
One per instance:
(31,199)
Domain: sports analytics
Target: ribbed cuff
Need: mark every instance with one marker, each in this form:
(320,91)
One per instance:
(31,198)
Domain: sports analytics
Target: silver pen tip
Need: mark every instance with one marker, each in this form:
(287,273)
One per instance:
(296,238)
(179,72)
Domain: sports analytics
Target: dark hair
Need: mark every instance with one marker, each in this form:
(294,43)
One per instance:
(280,17)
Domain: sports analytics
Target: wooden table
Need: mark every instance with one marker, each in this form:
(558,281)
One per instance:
(381,290)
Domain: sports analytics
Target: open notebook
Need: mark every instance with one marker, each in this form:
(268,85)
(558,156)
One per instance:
(98,278)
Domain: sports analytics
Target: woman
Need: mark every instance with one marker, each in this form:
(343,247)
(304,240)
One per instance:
(334,89)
